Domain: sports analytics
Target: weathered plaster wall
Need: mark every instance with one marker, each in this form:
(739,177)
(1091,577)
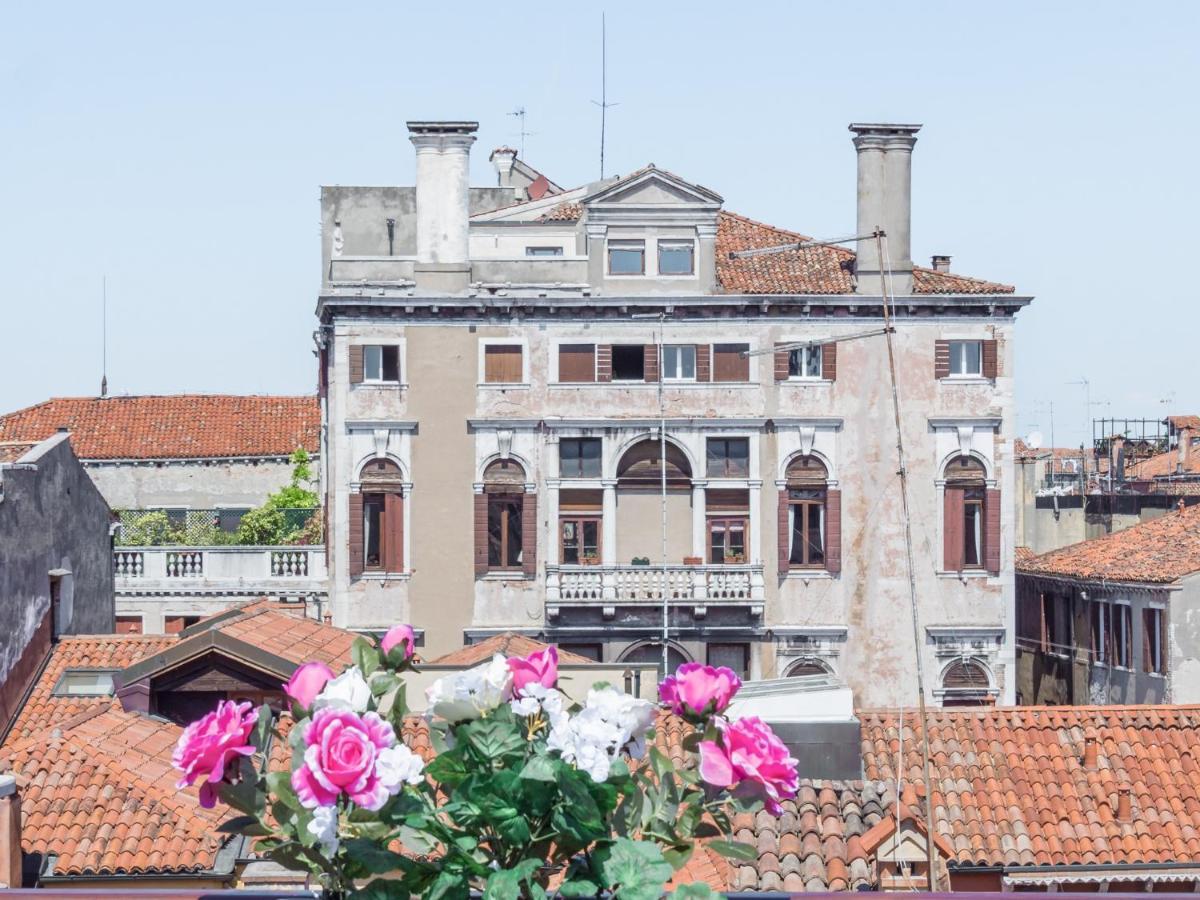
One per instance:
(196,485)
(1184,624)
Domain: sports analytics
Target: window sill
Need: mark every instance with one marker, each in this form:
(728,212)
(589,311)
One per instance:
(671,385)
(805,382)
(966,573)
(808,575)
(383,576)
(513,575)
(965,379)
(380,385)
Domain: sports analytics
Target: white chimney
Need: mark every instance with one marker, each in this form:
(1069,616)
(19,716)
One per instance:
(443,167)
(503,159)
(885,203)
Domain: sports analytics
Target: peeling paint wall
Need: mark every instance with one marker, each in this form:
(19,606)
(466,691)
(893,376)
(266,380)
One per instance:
(195,485)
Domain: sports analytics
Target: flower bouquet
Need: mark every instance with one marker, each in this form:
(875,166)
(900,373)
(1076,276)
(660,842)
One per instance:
(529,792)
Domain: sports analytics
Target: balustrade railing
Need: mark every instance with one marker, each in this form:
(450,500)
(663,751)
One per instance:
(651,584)
(289,563)
(185,564)
(234,565)
(129,563)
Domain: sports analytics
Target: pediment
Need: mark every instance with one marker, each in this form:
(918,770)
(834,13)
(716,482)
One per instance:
(653,187)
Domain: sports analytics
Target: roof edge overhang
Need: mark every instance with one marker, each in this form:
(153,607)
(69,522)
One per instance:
(193,647)
(1085,581)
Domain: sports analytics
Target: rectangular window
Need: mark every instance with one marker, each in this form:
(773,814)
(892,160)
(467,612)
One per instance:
(728,457)
(576,362)
(85,683)
(502,364)
(806,512)
(543,251)
(1154,641)
(676,258)
(629,362)
(579,458)
(504,531)
(626,257)
(1101,622)
(966,357)
(727,541)
(731,362)
(579,540)
(1122,635)
(804,362)
(381,363)
(374,506)
(973,529)
(1057,636)
(731,656)
(679,362)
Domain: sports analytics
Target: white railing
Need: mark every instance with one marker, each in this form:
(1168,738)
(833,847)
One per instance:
(647,584)
(299,568)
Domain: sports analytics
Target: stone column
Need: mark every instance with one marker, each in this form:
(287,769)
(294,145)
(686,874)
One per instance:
(608,549)
(699,512)
(754,551)
(551,554)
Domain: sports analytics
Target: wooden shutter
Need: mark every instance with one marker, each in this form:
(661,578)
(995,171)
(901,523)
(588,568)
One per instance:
(784,533)
(393,532)
(603,365)
(481,534)
(356,364)
(990,359)
(729,364)
(650,362)
(577,362)
(952,530)
(781,364)
(991,531)
(833,531)
(704,362)
(322,372)
(356,535)
(941,359)
(502,364)
(829,361)
(529,535)
(1147,625)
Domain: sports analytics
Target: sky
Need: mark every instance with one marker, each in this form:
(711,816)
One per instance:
(176,151)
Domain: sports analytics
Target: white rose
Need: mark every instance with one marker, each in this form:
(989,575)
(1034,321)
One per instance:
(397,766)
(348,691)
(470,694)
(324,827)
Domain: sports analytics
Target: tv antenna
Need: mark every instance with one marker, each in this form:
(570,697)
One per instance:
(603,102)
(104,336)
(519,113)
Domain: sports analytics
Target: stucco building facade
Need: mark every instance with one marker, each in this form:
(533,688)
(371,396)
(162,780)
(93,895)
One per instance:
(499,368)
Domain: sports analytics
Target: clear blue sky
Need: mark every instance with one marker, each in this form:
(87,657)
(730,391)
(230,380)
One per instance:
(179,149)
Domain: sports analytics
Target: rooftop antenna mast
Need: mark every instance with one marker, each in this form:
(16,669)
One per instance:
(603,104)
(519,113)
(104,336)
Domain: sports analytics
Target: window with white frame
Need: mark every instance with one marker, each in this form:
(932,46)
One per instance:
(679,362)
(1122,635)
(676,257)
(85,683)
(626,257)
(966,357)
(1154,640)
(804,362)
(381,363)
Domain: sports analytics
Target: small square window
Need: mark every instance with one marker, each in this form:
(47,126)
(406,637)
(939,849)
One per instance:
(579,458)
(543,251)
(679,362)
(628,362)
(966,358)
(728,457)
(381,363)
(626,257)
(805,362)
(676,258)
(502,364)
(85,683)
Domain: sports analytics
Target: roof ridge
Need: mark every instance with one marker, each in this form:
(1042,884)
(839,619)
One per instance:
(964,711)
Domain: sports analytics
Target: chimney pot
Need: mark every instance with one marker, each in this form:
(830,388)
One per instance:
(1091,753)
(941,264)
(1124,805)
(503,159)
(10,832)
(884,202)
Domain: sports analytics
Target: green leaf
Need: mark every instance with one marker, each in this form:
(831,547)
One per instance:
(297,858)
(661,763)
(447,769)
(579,816)
(279,784)
(383,889)
(372,856)
(540,768)
(697,890)
(636,870)
(678,857)
(262,728)
(244,825)
(450,885)
(734,850)
(493,738)
(419,842)
(514,830)
(505,884)
(691,742)
(580,886)
(365,656)
(243,796)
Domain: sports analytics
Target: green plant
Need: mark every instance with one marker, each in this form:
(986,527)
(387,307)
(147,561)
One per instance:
(150,528)
(285,515)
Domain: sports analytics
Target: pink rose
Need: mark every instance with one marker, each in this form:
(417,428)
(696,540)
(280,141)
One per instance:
(210,744)
(536,668)
(697,692)
(342,750)
(306,682)
(749,751)
(399,634)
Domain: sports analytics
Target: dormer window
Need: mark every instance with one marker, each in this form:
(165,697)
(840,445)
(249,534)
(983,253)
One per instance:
(676,258)
(626,257)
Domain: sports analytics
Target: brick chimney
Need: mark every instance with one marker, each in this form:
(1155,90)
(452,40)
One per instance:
(443,197)
(941,263)
(1124,805)
(10,833)
(885,202)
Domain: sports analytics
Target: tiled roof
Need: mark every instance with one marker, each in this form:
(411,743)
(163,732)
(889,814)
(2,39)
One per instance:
(929,281)
(105,651)
(1178,422)
(1158,551)
(98,792)
(284,630)
(1163,464)
(11,451)
(185,426)
(1010,786)
(508,643)
(564,212)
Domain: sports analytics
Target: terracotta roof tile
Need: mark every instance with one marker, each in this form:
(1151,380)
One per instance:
(510,644)
(11,451)
(564,212)
(284,630)
(172,427)
(1158,551)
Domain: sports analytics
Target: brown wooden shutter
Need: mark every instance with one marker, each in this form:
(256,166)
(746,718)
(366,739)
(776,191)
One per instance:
(603,365)
(650,362)
(833,531)
(481,534)
(952,530)
(991,531)
(941,359)
(829,361)
(784,537)
(576,363)
(356,364)
(356,535)
(393,534)
(728,364)
(529,535)
(322,372)
(990,359)
(502,364)
(781,364)
(1147,626)
(704,362)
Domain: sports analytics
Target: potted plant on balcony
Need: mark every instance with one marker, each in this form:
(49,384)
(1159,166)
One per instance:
(527,785)
(589,559)
(693,560)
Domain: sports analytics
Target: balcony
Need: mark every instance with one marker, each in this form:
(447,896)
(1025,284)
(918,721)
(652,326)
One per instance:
(221,569)
(627,584)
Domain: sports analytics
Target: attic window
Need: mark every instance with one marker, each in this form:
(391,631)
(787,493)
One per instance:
(676,258)
(626,257)
(85,683)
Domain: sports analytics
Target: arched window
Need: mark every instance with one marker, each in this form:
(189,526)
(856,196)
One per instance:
(807,666)
(810,518)
(971,518)
(377,519)
(652,653)
(505,535)
(966,683)
(642,464)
